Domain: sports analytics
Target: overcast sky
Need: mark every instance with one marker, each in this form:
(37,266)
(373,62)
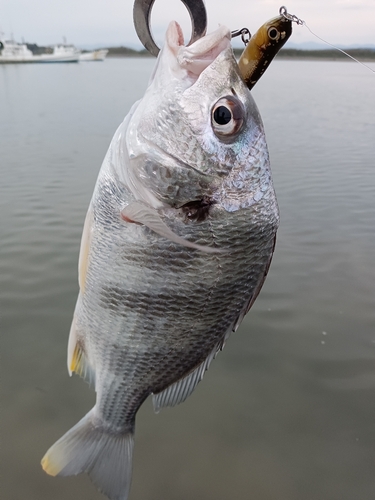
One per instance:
(110,22)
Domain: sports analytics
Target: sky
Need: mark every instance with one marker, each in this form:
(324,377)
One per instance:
(104,23)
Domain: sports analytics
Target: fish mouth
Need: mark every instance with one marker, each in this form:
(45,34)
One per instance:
(195,58)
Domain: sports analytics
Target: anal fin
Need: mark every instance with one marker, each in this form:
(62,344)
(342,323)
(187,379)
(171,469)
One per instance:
(181,390)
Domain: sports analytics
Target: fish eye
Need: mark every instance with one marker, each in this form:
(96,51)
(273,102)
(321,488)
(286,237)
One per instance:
(227,117)
(273,33)
(222,115)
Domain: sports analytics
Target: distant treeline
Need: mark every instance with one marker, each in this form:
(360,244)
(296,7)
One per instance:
(126,52)
(37,50)
(368,54)
(361,54)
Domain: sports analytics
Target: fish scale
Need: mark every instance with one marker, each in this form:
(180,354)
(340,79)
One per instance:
(176,305)
(176,245)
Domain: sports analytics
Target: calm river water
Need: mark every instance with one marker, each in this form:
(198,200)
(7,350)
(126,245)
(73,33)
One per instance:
(287,411)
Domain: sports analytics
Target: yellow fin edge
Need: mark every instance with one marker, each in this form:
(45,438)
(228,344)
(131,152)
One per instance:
(76,364)
(51,468)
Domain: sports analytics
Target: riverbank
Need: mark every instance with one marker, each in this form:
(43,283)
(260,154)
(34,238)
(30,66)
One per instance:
(331,54)
(363,54)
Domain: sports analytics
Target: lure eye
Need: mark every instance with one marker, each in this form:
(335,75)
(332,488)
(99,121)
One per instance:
(227,117)
(273,33)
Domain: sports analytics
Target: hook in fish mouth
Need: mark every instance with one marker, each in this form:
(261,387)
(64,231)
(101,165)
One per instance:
(142,16)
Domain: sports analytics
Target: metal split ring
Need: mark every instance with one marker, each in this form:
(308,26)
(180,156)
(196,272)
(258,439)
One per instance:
(244,33)
(142,17)
(290,17)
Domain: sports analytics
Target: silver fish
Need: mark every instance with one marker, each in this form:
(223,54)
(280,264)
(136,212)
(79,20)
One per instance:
(176,245)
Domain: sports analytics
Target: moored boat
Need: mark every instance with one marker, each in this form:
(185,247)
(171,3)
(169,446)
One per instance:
(14,52)
(95,55)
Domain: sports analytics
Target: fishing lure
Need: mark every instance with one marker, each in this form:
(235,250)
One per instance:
(263,47)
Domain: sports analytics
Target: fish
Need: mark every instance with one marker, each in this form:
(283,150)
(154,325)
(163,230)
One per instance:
(263,47)
(176,245)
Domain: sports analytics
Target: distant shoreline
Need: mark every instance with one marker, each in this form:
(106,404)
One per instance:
(327,54)
(362,54)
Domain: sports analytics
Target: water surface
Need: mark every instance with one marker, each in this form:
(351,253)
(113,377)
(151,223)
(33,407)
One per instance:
(287,411)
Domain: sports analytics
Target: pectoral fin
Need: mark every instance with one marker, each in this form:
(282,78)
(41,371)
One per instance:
(142,214)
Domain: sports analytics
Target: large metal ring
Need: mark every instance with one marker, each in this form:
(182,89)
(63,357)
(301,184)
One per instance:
(142,16)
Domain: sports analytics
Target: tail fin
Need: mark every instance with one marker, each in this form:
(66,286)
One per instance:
(106,456)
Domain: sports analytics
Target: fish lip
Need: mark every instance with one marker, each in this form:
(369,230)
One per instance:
(202,46)
(195,58)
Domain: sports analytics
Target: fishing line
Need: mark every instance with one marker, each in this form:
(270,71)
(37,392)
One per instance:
(300,22)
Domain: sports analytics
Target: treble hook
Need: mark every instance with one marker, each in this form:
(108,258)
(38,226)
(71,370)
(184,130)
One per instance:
(142,16)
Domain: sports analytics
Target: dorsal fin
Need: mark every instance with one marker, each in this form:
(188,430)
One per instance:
(85,249)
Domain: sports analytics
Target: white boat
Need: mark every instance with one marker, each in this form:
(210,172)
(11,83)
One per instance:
(95,55)
(13,52)
(62,53)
